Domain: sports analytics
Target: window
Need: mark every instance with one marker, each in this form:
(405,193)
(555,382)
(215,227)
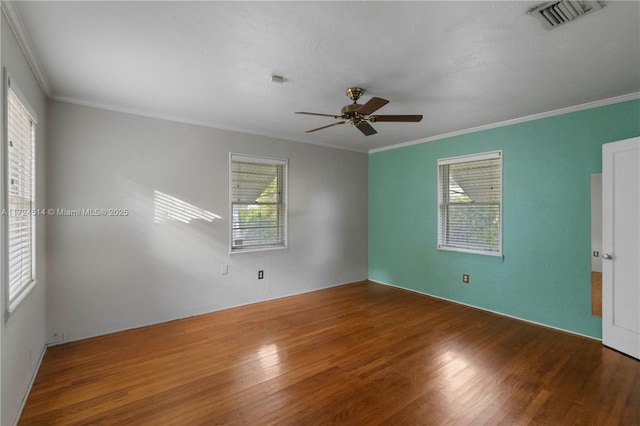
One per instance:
(20,190)
(470,203)
(258,203)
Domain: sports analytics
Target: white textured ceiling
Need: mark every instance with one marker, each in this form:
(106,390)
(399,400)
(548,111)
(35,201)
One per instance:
(460,64)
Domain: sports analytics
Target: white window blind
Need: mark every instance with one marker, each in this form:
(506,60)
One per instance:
(470,203)
(258,203)
(20,199)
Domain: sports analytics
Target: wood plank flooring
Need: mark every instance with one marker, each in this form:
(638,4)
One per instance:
(358,354)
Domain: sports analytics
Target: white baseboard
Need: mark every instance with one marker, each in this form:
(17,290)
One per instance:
(75,336)
(31,382)
(488,310)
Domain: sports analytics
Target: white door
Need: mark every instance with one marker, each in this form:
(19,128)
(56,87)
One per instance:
(621,246)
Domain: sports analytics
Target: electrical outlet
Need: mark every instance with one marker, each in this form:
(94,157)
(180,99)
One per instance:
(465,278)
(596,254)
(260,275)
(224,269)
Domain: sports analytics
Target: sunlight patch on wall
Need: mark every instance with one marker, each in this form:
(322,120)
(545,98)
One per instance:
(168,208)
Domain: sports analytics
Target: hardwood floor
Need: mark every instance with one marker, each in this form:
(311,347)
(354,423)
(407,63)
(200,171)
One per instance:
(358,354)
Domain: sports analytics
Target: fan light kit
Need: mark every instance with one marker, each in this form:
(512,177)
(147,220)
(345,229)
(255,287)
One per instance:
(361,115)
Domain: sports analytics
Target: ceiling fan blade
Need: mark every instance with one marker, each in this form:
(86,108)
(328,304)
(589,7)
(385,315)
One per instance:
(366,128)
(396,118)
(321,115)
(324,127)
(372,105)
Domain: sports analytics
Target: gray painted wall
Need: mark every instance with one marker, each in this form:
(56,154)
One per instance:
(113,273)
(23,332)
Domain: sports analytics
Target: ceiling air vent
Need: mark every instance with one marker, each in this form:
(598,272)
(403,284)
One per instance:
(554,14)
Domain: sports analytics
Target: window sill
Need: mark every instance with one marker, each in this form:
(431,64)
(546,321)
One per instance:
(257,249)
(462,250)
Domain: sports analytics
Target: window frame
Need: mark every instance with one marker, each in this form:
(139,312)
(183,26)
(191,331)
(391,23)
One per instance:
(237,157)
(13,301)
(445,245)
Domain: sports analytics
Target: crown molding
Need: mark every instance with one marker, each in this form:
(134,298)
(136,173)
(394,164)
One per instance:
(24,41)
(185,120)
(553,113)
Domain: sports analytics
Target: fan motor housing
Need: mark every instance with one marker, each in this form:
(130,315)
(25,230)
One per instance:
(350,110)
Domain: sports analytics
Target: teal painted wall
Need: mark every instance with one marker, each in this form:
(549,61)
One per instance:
(544,275)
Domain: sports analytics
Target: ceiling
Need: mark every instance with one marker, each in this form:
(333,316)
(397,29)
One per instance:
(460,64)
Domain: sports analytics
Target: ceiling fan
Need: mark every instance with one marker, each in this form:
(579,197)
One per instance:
(361,115)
